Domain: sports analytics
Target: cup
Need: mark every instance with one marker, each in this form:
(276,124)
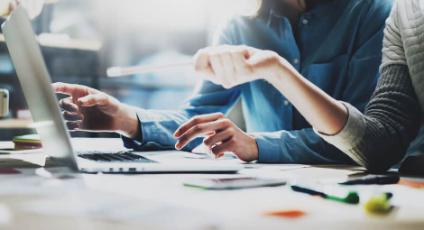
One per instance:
(4,103)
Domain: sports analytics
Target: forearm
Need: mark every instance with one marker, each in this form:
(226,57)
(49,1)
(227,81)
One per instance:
(391,120)
(297,146)
(156,128)
(378,139)
(324,113)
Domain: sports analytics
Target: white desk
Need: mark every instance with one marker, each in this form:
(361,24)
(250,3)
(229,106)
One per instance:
(159,201)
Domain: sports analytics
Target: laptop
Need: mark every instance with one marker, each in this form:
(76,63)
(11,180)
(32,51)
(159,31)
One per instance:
(35,80)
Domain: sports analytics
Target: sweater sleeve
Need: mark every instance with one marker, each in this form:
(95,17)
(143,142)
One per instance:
(379,138)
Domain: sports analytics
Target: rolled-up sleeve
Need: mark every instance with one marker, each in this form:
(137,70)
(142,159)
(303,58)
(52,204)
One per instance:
(351,134)
(379,138)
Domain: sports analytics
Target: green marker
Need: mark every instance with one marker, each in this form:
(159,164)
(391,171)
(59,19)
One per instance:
(350,198)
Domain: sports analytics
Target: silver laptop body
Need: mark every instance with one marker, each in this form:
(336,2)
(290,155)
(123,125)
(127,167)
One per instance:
(35,80)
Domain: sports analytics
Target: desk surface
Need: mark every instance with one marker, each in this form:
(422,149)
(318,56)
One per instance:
(159,201)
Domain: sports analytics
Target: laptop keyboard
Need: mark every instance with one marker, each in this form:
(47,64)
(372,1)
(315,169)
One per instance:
(114,157)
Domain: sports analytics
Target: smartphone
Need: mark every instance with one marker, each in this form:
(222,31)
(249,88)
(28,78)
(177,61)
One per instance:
(234,183)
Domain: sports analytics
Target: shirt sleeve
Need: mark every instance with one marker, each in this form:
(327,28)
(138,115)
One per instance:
(157,126)
(298,146)
(351,134)
(379,139)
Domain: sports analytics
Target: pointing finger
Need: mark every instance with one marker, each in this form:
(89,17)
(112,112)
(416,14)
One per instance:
(202,129)
(197,120)
(67,105)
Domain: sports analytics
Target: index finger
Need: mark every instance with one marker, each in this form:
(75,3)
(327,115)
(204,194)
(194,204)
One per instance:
(196,120)
(70,89)
(68,105)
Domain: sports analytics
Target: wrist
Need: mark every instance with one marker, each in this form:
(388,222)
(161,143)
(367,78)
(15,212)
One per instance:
(283,72)
(254,155)
(128,122)
(276,70)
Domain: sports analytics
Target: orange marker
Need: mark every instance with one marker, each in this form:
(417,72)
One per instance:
(411,183)
(291,213)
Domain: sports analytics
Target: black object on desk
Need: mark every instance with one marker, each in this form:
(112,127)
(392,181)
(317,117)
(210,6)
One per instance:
(373,179)
(413,165)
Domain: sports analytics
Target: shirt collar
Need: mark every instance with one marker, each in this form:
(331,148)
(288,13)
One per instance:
(314,7)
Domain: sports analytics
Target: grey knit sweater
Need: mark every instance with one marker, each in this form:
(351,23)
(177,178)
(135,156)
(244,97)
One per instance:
(379,138)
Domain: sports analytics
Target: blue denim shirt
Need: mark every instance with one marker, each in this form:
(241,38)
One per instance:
(338,48)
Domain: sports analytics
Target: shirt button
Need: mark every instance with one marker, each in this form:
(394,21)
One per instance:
(305,21)
(286,103)
(296,61)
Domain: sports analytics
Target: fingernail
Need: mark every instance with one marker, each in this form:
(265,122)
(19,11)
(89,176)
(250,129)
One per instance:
(82,102)
(177,133)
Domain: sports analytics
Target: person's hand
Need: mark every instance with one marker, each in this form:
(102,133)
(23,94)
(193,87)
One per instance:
(33,7)
(234,65)
(222,135)
(92,110)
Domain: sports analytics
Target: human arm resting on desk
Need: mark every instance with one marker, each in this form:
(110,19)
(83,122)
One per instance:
(376,140)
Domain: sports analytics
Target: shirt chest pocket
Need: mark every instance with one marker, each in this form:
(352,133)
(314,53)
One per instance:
(326,75)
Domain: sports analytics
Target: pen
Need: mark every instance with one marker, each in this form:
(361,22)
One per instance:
(373,179)
(350,198)
(125,71)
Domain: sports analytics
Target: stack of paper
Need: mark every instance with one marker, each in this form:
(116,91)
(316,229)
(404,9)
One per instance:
(31,141)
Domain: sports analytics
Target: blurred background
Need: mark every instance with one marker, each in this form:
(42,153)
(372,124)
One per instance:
(80,39)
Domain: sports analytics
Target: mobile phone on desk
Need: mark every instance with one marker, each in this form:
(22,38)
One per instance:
(234,183)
